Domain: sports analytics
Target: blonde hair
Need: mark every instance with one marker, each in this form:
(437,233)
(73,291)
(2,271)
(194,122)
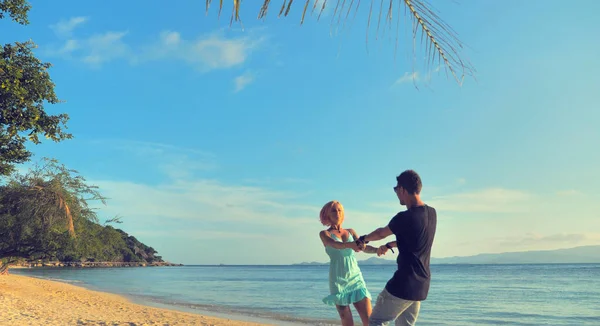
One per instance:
(326,210)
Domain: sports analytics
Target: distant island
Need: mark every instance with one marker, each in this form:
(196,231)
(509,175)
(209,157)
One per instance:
(46,221)
(101,246)
(370,261)
(576,255)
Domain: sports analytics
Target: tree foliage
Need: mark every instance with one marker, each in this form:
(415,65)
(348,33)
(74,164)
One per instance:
(16,9)
(25,87)
(96,242)
(45,214)
(39,210)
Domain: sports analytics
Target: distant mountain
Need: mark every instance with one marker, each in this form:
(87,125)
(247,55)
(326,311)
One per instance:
(313,263)
(370,261)
(377,261)
(577,255)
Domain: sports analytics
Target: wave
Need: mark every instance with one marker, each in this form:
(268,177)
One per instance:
(229,311)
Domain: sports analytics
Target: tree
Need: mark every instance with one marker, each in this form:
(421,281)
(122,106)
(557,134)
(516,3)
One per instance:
(25,86)
(39,212)
(442,45)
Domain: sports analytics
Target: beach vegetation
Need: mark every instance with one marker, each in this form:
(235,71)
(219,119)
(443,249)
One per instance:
(40,208)
(46,214)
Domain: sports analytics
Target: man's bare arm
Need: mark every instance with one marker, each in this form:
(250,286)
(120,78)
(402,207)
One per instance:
(379,234)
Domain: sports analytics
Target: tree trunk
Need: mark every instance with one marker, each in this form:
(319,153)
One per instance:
(3,268)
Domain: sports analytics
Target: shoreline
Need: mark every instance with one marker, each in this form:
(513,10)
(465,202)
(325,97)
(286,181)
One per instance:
(29,300)
(78,264)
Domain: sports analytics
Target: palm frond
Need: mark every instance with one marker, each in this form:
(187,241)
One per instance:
(442,44)
(61,203)
(3,268)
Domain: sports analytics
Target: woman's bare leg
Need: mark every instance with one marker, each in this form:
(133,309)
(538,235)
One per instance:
(363,307)
(345,315)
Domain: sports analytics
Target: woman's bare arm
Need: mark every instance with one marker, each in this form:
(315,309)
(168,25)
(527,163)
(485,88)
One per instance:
(370,249)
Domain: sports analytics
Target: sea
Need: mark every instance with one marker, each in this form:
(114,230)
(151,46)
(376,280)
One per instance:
(536,294)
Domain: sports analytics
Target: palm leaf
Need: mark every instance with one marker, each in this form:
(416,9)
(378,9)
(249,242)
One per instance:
(61,203)
(3,268)
(442,44)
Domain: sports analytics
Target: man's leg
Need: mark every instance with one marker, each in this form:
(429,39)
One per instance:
(409,316)
(388,308)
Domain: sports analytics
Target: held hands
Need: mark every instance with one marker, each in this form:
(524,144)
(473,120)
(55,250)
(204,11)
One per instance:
(361,243)
(382,250)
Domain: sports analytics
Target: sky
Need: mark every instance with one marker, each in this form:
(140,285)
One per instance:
(220,144)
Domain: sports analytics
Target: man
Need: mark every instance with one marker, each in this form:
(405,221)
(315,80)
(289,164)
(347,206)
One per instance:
(414,229)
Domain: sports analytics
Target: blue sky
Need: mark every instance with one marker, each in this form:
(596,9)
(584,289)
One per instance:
(220,145)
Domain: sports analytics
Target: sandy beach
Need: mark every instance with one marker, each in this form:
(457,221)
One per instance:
(32,301)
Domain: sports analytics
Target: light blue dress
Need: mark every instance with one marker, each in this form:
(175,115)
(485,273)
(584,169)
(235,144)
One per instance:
(346,283)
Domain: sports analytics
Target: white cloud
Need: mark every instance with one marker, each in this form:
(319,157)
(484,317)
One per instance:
(205,200)
(415,77)
(193,205)
(407,77)
(204,53)
(558,240)
(201,234)
(240,82)
(175,162)
(70,46)
(491,200)
(170,38)
(488,200)
(145,147)
(190,210)
(65,28)
(188,194)
(317,5)
(570,192)
(216,219)
(524,242)
(102,48)
(94,50)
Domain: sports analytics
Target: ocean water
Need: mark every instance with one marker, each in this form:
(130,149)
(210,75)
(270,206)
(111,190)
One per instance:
(287,295)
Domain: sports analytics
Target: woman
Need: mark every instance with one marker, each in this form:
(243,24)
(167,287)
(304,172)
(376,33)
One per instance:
(346,283)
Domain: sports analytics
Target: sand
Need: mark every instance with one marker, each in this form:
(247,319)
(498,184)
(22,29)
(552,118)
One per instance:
(31,301)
